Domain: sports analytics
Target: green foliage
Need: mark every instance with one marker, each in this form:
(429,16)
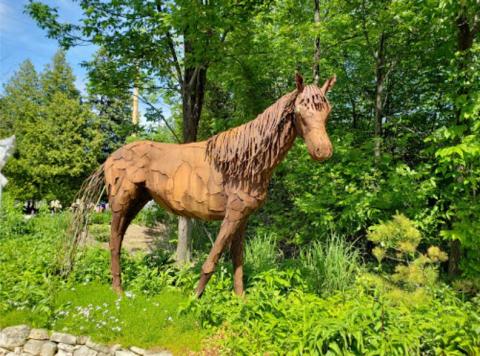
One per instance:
(456,162)
(153,214)
(398,240)
(331,266)
(100,232)
(399,234)
(110,99)
(101,218)
(362,320)
(261,253)
(32,292)
(58,142)
(27,258)
(278,315)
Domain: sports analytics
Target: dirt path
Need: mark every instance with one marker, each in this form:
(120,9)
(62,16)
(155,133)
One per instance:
(141,238)
(144,239)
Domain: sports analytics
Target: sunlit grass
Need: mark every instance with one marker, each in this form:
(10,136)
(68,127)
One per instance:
(130,320)
(330,266)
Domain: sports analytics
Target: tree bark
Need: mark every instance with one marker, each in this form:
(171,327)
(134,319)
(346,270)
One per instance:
(316,55)
(184,245)
(193,94)
(466,34)
(454,258)
(379,93)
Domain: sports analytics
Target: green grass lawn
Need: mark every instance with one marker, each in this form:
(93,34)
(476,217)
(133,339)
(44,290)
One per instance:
(133,319)
(31,291)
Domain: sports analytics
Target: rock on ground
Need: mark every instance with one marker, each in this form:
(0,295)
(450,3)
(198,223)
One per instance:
(33,347)
(63,353)
(66,347)
(85,351)
(21,340)
(14,336)
(48,349)
(38,334)
(137,350)
(124,353)
(97,347)
(64,338)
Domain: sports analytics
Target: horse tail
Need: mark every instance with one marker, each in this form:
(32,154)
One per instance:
(85,200)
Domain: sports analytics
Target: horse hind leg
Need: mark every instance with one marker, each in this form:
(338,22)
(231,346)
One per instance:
(121,219)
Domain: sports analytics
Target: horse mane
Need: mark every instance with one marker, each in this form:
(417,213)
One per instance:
(313,97)
(248,150)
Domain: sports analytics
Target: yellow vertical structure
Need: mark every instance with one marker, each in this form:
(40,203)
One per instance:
(135,106)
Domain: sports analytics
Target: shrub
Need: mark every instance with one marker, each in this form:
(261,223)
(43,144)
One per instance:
(398,240)
(101,218)
(279,314)
(330,266)
(362,320)
(12,220)
(100,232)
(261,253)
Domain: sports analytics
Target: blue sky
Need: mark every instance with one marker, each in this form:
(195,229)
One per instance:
(21,39)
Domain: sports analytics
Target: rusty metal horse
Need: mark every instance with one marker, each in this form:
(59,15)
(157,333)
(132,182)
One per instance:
(223,178)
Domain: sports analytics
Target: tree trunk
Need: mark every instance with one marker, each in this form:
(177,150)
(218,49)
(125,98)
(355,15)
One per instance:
(379,89)
(184,245)
(316,55)
(192,83)
(354,114)
(193,94)
(465,36)
(454,258)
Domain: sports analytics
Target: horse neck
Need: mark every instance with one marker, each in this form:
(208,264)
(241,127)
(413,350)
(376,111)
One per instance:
(286,140)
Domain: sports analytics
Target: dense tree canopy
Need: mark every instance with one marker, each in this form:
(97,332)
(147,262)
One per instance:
(405,124)
(374,251)
(57,136)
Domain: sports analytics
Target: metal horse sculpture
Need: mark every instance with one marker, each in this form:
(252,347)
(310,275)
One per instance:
(224,178)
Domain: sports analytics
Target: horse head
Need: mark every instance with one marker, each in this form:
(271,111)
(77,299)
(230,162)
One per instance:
(311,116)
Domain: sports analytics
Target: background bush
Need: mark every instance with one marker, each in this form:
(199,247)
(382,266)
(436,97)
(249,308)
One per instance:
(330,266)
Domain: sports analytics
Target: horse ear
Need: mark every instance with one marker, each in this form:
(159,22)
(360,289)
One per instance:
(299,82)
(329,83)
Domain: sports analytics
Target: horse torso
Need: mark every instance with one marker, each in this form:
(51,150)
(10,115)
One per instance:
(178,177)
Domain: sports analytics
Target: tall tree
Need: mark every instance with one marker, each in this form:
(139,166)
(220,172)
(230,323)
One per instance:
(22,96)
(466,18)
(316,55)
(110,101)
(58,77)
(174,43)
(57,137)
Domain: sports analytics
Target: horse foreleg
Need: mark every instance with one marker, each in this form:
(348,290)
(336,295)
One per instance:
(227,231)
